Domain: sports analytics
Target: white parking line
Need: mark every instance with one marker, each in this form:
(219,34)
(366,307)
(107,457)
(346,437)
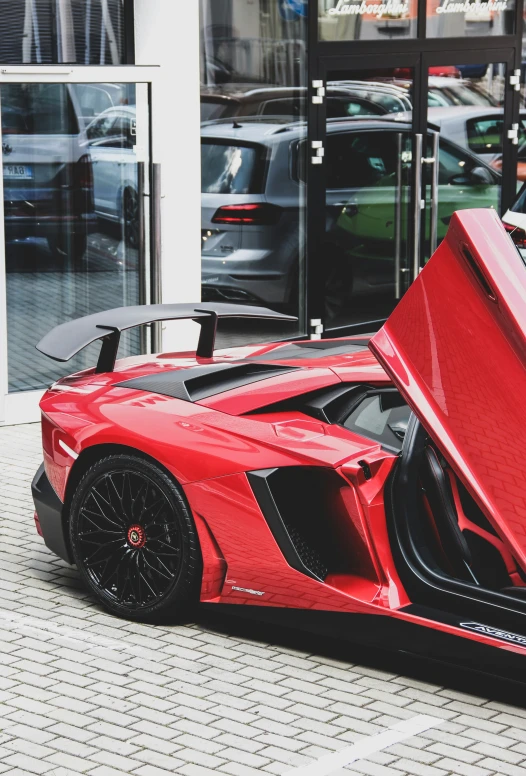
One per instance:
(367,746)
(36,626)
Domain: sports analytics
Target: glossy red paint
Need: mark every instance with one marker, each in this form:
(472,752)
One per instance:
(456,348)
(450,348)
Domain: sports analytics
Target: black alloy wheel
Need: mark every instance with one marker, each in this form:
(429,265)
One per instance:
(134,540)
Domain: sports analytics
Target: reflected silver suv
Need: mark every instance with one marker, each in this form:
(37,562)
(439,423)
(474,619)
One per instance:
(253,205)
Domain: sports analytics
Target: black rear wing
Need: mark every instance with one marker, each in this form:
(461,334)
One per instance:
(65,341)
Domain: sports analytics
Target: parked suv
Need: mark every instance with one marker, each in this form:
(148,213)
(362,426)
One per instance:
(47,172)
(253,194)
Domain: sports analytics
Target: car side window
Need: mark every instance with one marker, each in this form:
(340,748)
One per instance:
(340,107)
(485,135)
(382,416)
(120,134)
(101,127)
(285,106)
(362,159)
(456,167)
(93,99)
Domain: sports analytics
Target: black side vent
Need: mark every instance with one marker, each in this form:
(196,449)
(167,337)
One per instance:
(301,505)
(293,533)
(328,404)
(200,382)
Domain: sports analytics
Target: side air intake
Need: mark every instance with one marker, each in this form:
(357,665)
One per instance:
(292,514)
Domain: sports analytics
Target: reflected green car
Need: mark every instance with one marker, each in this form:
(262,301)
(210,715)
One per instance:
(371,221)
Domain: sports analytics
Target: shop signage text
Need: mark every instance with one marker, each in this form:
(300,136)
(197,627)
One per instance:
(395,8)
(477,8)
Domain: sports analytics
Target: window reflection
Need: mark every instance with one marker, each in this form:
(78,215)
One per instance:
(84,32)
(457,18)
(72,216)
(253,111)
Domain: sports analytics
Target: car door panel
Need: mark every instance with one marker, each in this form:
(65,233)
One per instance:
(455,346)
(363,187)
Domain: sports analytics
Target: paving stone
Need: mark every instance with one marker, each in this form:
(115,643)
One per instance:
(187,701)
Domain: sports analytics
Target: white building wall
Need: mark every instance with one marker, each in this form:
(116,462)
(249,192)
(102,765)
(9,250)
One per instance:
(167,34)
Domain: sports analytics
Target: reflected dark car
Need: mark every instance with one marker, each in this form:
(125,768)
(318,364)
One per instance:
(253,187)
(47,171)
(349,98)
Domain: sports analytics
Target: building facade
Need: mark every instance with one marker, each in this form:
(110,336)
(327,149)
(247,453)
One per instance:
(304,155)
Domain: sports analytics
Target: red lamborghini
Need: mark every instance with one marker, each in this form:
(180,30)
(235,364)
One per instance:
(369,488)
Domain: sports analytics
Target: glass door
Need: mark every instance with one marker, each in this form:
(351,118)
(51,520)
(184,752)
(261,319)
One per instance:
(468,120)
(369,146)
(76,160)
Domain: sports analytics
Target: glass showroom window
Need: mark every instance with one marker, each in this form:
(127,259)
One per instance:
(367,19)
(83,32)
(459,19)
(73,188)
(253,111)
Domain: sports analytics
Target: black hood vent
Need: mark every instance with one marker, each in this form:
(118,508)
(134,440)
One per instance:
(200,382)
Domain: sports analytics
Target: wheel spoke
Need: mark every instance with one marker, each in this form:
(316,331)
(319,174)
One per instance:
(94,516)
(115,498)
(100,531)
(154,511)
(161,548)
(108,572)
(167,528)
(121,506)
(103,551)
(156,565)
(143,575)
(101,502)
(140,503)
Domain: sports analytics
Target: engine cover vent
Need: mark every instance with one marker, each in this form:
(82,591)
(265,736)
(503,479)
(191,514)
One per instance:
(199,382)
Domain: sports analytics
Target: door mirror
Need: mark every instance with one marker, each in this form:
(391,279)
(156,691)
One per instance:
(481,175)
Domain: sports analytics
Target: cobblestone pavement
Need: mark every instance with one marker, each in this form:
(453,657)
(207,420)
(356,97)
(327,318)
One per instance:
(83,692)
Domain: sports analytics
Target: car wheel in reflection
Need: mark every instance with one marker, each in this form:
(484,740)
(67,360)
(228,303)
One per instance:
(338,282)
(130,218)
(134,540)
(69,247)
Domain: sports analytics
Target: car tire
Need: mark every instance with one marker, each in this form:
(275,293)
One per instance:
(69,247)
(134,540)
(130,218)
(338,282)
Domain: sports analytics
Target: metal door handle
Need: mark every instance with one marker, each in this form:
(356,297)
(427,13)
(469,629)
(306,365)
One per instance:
(433,218)
(398,217)
(417,204)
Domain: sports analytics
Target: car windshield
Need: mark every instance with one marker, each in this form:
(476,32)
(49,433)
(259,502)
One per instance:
(228,169)
(210,111)
(459,93)
(37,109)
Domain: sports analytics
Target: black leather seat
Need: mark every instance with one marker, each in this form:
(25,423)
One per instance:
(454,544)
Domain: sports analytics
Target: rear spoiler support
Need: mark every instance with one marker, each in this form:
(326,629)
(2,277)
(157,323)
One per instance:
(65,341)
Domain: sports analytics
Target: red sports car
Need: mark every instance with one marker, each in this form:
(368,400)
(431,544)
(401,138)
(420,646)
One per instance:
(370,488)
